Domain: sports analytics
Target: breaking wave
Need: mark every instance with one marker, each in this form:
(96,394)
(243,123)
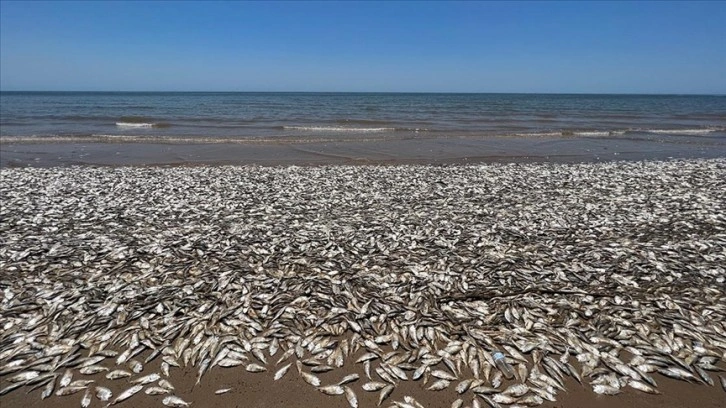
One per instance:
(339,129)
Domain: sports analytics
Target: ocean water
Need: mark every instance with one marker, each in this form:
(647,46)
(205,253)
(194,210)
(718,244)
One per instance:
(200,117)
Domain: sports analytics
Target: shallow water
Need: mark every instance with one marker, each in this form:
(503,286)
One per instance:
(225,117)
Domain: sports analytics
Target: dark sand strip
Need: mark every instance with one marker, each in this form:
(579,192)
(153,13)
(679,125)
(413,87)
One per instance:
(441,150)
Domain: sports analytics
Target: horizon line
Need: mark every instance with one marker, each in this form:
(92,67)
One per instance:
(377,92)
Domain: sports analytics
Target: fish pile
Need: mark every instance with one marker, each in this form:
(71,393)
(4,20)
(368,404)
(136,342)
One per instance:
(608,274)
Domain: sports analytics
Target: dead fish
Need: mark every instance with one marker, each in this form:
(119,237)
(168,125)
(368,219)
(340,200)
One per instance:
(463,386)
(516,390)
(24,376)
(147,379)
(86,400)
(47,390)
(443,375)
(439,385)
(157,391)
(90,370)
(66,379)
(310,379)
(282,371)
(504,399)
(81,383)
(332,390)
(11,387)
(351,397)
(531,400)
(229,362)
(103,393)
(136,366)
(677,373)
(482,389)
(255,368)
(127,394)
(606,389)
(385,393)
(641,386)
(116,374)
(174,401)
(68,390)
(165,384)
(349,379)
(373,386)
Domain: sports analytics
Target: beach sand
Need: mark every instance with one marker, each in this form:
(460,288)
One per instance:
(535,210)
(260,391)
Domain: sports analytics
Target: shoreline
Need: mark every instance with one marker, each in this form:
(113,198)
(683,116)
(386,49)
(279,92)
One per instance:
(395,151)
(615,269)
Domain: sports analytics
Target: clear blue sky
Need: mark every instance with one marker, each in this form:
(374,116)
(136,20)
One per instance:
(619,47)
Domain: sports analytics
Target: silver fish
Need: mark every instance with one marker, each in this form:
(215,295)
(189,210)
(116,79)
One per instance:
(174,401)
(128,393)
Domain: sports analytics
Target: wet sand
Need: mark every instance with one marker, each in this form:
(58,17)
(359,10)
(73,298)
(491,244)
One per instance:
(421,151)
(260,391)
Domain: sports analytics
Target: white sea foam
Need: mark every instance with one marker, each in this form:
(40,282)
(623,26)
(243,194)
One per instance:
(594,133)
(681,131)
(539,134)
(134,125)
(337,129)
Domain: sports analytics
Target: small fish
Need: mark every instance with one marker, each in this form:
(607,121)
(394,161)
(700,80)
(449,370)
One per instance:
(81,383)
(222,391)
(641,386)
(66,379)
(10,388)
(516,390)
(483,389)
(24,376)
(373,386)
(68,390)
(677,373)
(310,379)
(86,400)
(136,366)
(165,384)
(490,401)
(90,370)
(174,401)
(47,390)
(463,386)
(103,393)
(439,385)
(229,362)
(127,394)
(723,381)
(350,396)
(531,400)
(282,371)
(116,374)
(443,375)
(606,389)
(147,379)
(385,393)
(349,379)
(255,368)
(157,391)
(504,399)
(332,390)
